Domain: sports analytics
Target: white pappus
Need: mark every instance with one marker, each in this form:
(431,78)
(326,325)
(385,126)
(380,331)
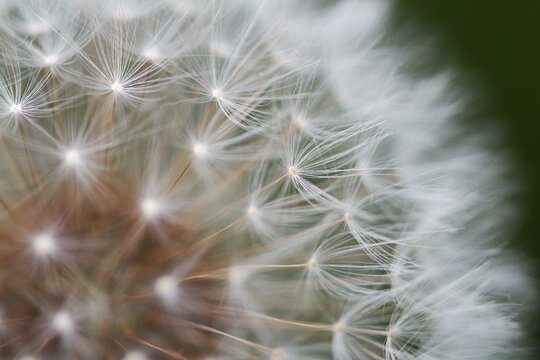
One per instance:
(235,179)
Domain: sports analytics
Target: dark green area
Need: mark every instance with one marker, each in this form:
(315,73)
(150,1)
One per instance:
(498,42)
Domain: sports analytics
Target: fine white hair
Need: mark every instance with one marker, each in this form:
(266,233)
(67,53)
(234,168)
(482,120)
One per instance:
(241,179)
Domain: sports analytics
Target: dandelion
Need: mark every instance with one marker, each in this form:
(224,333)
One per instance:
(228,180)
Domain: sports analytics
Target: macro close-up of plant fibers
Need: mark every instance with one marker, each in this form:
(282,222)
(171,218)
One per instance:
(243,179)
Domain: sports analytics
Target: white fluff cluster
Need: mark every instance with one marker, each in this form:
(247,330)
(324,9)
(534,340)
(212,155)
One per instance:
(239,180)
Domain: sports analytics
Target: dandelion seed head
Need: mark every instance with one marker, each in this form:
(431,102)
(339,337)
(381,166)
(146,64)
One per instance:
(220,180)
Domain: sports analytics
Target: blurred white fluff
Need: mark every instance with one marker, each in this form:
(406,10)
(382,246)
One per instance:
(241,180)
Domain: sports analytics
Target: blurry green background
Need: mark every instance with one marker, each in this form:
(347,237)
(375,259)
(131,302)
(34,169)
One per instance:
(498,43)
